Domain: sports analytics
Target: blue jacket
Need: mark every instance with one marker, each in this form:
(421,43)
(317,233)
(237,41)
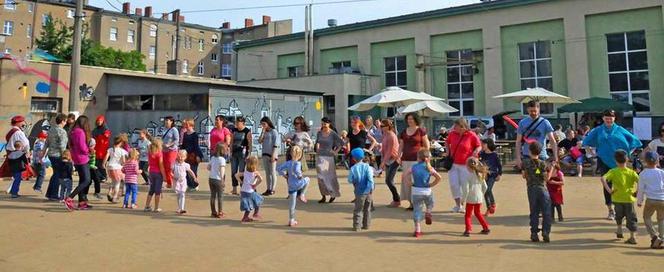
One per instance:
(293,169)
(361,176)
(608,140)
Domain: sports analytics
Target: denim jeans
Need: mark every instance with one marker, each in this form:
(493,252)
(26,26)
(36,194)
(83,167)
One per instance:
(40,171)
(418,202)
(390,173)
(237,164)
(66,185)
(540,203)
(292,200)
(16,185)
(83,182)
(130,189)
(488,195)
(54,182)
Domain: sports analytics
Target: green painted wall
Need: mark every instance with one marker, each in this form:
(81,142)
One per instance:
(457,41)
(381,50)
(511,36)
(328,56)
(597,26)
(289,60)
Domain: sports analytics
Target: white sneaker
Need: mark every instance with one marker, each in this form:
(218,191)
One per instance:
(455,209)
(612,216)
(462,210)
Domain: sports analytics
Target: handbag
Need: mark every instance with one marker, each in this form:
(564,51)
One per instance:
(449,160)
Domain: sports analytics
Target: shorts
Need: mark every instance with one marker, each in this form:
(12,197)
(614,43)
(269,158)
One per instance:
(569,160)
(156,180)
(626,211)
(115,174)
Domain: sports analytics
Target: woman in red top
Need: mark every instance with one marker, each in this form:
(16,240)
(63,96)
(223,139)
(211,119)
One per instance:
(220,133)
(462,143)
(411,140)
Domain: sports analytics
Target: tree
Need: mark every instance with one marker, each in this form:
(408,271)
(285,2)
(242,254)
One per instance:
(56,39)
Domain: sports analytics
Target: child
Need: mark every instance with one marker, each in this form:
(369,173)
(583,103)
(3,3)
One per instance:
(624,181)
(489,158)
(418,178)
(180,171)
(38,157)
(361,176)
(534,172)
(554,183)
(473,195)
(115,158)
(143,146)
(297,182)
(157,174)
(651,187)
(344,149)
(249,199)
(92,164)
(217,168)
(66,182)
(576,155)
(18,162)
(131,172)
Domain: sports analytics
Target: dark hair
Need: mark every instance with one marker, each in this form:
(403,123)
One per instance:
(661,127)
(220,118)
(609,112)
(303,123)
(490,144)
(83,123)
(535,148)
(558,126)
(169,118)
(326,120)
(620,156)
(71,115)
(61,117)
(416,118)
(267,120)
(388,124)
(240,119)
(532,104)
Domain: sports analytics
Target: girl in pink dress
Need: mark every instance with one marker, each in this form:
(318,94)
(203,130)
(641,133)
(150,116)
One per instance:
(554,184)
(180,171)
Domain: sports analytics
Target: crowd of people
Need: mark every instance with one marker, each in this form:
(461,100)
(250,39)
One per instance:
(370,149)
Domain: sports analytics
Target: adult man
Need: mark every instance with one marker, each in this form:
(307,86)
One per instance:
(56,143)
(534,128)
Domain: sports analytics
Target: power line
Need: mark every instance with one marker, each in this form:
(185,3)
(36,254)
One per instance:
(275,6)
(113,6)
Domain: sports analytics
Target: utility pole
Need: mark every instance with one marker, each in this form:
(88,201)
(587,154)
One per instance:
(176,13)
(76,57)
(156,47)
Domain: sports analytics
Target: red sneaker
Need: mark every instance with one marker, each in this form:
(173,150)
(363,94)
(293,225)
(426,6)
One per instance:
(417,234)
(492,209)
(69,204)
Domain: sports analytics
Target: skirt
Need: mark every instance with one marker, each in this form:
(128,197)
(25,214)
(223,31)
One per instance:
(327,176)
(250,201)
(405,166)
(115,174)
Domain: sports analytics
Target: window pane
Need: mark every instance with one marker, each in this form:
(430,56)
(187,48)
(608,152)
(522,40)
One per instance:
(389,64)
(131,103)
(179,102)
(527,83)
(546,108)
(146,102)
(467,90)
(618,82)
(402,79)
(453,74)
(641,101)
(401,63)
(115,102)
(467,73)
(455,104)
(198,102)
(546,83)
(453,91)
(162,102)
(390,79)
(639,81)
(452,56)
(466,55)
(622,97)
(636,40)
(543,49)
(638,60)
(615,42)
(617,62)
(468,108)
(526,51)
(527,69)
(544,68)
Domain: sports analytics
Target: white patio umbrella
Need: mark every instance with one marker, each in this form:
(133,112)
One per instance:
(428,108)
(540,95)
(392,97)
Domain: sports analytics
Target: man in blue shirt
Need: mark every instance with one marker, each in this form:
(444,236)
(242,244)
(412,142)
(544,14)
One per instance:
(361,176)
(534,128)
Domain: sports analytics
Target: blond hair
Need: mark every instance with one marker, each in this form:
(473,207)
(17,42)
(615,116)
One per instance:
(423,154)
(134,154)
(252,164)
(296,153)
(462,123)
(477,167)
(155,146)
(219,150)
(188,123)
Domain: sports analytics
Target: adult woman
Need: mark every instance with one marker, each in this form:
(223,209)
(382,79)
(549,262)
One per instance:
(327,146)
(411,140)
(194,153)
(270,153)
(56,143)
(377,133)
(240,149)
(657,145)
(301,138)
(170,140)
(79,137)
(462,144)
(607,139)
(390,155)
(220,133)
(359,137)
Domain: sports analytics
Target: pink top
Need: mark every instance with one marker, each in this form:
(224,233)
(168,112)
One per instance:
(390,148)
(153,162)
(180,176)
(462,147)
(130,169)
(80,152)
(217,136)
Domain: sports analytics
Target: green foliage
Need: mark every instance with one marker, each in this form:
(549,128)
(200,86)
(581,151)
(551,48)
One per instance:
(56,39)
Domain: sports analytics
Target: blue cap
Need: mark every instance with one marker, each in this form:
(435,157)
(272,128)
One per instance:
(651,156)
(357,154)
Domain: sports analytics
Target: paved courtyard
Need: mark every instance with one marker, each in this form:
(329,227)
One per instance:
(41,236)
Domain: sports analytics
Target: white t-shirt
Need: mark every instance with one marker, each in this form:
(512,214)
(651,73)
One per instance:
(115,156)
(248,180)
(658,146)
(217,168)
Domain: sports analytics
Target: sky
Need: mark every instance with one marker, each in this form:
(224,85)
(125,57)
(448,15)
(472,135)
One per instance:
(345,13)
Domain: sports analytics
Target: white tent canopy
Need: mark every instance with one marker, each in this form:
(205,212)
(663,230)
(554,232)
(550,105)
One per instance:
(392,97)
(540,95)
(428,108)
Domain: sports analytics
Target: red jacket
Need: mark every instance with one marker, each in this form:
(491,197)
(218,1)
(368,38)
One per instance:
(102,136)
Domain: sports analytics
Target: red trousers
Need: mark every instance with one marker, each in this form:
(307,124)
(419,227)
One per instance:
(474,208)
(169,160)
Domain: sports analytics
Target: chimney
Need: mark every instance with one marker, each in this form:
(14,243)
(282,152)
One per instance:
(126,6)
(266,19)
(181,19)
(248,22)
(139,12)
(164,16)
(148,11)
(226,25)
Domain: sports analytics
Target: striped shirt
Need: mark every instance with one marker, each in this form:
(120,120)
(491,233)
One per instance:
(130,169)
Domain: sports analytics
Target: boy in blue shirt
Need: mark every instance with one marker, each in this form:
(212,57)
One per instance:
(421,193)
(361,176)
